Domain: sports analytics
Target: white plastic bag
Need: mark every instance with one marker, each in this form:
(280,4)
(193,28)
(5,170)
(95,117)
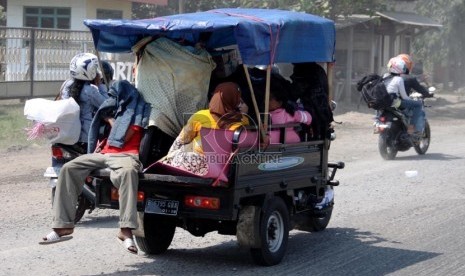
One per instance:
(56,121)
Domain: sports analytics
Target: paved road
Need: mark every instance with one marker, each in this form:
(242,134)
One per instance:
(383,222)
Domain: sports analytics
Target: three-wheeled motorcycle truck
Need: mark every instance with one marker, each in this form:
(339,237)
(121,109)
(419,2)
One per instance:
(254,190)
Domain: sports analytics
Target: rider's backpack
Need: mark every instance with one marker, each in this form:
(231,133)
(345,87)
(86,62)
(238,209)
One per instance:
(374,91)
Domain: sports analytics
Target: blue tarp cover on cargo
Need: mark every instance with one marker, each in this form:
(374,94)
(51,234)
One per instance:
(263,36)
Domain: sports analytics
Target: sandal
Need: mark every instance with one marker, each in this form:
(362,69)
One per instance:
(53,237)
(128,244)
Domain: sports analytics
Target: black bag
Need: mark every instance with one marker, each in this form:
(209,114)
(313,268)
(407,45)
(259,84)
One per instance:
(374,91)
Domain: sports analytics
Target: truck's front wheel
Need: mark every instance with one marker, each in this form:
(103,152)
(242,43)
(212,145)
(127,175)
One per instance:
(274,232)
(159,232)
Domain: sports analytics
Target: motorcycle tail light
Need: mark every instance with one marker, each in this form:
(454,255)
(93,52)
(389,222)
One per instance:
(202,202)
(57,153)
(140,196)
(114,194)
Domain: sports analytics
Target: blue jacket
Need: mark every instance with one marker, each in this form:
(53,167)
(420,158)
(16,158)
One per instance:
(127,106)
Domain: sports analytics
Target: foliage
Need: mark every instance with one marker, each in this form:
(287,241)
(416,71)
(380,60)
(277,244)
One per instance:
(326,8)
(2,16)
(141,11)
(445,46)
(13,124)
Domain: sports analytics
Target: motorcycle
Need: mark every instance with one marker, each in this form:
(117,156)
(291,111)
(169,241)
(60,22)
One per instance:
(391,124)
(61,154)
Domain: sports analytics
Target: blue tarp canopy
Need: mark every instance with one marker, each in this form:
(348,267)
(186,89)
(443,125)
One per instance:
(263,36)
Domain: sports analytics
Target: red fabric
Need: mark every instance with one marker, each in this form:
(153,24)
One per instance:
(131,146)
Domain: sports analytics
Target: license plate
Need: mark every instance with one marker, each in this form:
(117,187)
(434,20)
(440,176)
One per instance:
(162,206)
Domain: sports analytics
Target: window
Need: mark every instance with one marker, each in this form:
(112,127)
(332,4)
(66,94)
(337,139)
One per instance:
(109,14)
(47,17)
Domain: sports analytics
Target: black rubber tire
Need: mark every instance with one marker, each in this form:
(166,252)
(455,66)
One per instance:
(319,222)
(423,146)
(387,152)
(274,233)
(81,206)
(53,195)
(159,232)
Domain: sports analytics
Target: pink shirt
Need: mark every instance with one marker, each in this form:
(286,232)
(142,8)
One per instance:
(280,116)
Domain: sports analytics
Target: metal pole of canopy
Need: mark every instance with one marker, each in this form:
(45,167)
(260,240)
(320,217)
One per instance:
(254,101)
(330,74)
(267,96)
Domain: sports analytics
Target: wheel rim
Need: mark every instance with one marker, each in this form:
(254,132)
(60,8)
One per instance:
(275,231)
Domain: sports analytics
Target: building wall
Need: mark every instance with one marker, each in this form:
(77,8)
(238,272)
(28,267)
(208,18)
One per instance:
(16,8)
(80,10)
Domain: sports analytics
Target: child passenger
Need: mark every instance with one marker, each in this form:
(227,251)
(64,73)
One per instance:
(282,111)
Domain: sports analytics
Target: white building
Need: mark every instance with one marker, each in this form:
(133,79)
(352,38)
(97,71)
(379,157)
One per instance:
(27,53)
(67,14)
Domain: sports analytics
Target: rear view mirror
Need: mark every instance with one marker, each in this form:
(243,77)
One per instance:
(333,105)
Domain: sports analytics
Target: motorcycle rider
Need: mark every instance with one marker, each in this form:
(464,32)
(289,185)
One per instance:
(396,87)
(85,87)
(411,82)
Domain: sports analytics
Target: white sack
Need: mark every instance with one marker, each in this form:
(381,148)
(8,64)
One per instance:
(56,121)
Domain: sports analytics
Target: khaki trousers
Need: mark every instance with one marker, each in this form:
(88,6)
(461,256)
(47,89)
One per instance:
(124,176)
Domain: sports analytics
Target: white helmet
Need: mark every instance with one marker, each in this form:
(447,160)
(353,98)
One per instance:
(397,65)
(84,66)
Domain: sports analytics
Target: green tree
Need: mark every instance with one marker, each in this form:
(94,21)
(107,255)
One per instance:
(444,48)
(2,16)
(141,11)
(327,8)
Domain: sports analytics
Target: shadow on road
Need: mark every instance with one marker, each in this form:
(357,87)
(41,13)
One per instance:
(335,251)
(429,156)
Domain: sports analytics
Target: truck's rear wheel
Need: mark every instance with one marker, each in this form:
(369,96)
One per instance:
(273,233)
(159,232)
